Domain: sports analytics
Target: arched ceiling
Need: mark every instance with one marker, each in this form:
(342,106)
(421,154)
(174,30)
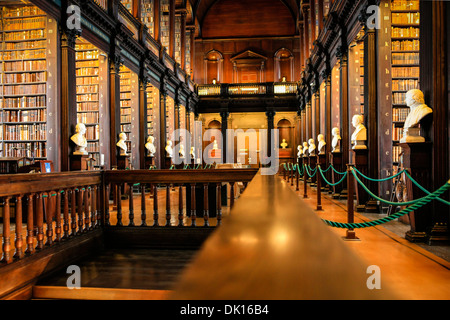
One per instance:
(200,8)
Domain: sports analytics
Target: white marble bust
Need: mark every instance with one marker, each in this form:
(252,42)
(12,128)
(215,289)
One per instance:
(181,151)
(322,143)
(150,146)
(305,149)
(122,144)
(312,147)
(192,153)
(284,144)
(300,151)
(418,110)
(359,136)
(80,140)
(336,143)
(169,150)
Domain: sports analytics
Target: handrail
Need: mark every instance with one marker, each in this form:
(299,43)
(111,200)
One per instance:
(268,249)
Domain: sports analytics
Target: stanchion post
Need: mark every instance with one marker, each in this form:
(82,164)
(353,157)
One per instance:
(297,177)
(292,175)
(305,183)
(351,234)
(319,190)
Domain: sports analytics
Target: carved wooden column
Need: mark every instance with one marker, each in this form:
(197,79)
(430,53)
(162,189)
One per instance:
(157,20)
(172,28)
(344,112)
(309,132)
(224,115)
(192,49)
(143,82)
(162,125)
(328,121)
(114,105)
(68,94)
(183,14)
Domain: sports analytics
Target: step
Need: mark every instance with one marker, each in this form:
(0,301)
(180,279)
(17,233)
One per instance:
(91,293)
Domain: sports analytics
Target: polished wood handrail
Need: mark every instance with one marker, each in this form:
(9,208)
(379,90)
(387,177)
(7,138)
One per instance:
(273,246)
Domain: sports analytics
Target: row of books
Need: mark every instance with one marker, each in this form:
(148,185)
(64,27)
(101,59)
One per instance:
(406,72)
(410,32)
(92,147)
(405,58)
(125,128)
(29,77)
(25,65)
(87,89)
(397,133)
(36,149)
(396,151)
(92,132)
(90,54)
(24,35)
(87,106)
(399,98)
(87,97)
(400,114)
(86,118)
(25,132)
(25,45)
(87,81)
(24,23)
(406,18)
(398,5)
(125,118)
(87,64)
(21,89)
(22,54)
(86,72)
(21,11)
(406,45)
(24,115)
(125,95)
(405,85)
(125,103)
(24,102)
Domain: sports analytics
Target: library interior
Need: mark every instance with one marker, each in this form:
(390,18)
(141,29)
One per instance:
(224,150)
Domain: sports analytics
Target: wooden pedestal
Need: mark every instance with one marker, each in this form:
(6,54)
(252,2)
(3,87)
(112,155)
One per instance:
(417,159)
(149,162)
(360,157)
(78,162)
(312,165)
(167,163)
(322,161)
(336,161)
(123,162)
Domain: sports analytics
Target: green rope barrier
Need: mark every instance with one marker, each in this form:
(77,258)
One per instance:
(307,171)
(423,189)
(378,180)
(325,171)
(420,203)
(329,183)
(407,203)
(339,173)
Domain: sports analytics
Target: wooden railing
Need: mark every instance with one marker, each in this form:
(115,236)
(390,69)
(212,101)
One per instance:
(198,194)
(247,89)
(64,204)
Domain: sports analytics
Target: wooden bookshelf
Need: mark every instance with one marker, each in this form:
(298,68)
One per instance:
(23,82)
(170,117)
(125,103)
(165,25)
(178,39)
(405,59)
(147,15)
(152,98)
(128,4)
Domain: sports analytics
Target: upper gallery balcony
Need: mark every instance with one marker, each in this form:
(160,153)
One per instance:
(248,97)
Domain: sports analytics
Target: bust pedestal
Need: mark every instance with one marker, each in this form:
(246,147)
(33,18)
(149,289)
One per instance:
(149,162)
(417,158)
(312,165)
(360,157)
(167,163)
(338,191)
(78,162)
(123,162)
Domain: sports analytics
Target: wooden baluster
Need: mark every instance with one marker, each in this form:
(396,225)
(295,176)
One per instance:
(106,204)
(119,205)
(30,225)
(219,204)
(73,212)
(168,205)
(19,239)
(193,206)
(87,218)
(49,207)
(231,195)
(130,205)
(80,210)
(40,221)
(98,209)
(6,257)
(66,214)
(58,217)
(180,206)
(205,205)
(93,207)
(143,211)
(155,206)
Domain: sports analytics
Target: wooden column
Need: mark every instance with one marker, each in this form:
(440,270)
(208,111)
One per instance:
(317,115)
(157,19)
(304,125)
(114,106)
(224,121)
(162,127)
(183,40)
(68,95)
(344,112)
(143,82)
(192,46)
(309,132)
(328,120)
(172,28)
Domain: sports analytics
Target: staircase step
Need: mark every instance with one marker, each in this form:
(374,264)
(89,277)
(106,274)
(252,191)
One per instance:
(86,293)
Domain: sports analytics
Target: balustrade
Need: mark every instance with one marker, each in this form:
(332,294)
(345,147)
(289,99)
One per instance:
(278,88)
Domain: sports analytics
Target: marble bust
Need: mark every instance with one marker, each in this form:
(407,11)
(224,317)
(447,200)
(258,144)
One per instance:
(284,144)
(181,151)
(305,149)
(312,147)
(359,136)
(322,143)
(336,143)
(80,140)
(122,144)
(169,150)
(192,153)
(150,146)
(418,110)
(300,151)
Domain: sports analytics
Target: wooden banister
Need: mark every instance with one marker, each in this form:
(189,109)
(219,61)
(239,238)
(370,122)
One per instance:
(273,246)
